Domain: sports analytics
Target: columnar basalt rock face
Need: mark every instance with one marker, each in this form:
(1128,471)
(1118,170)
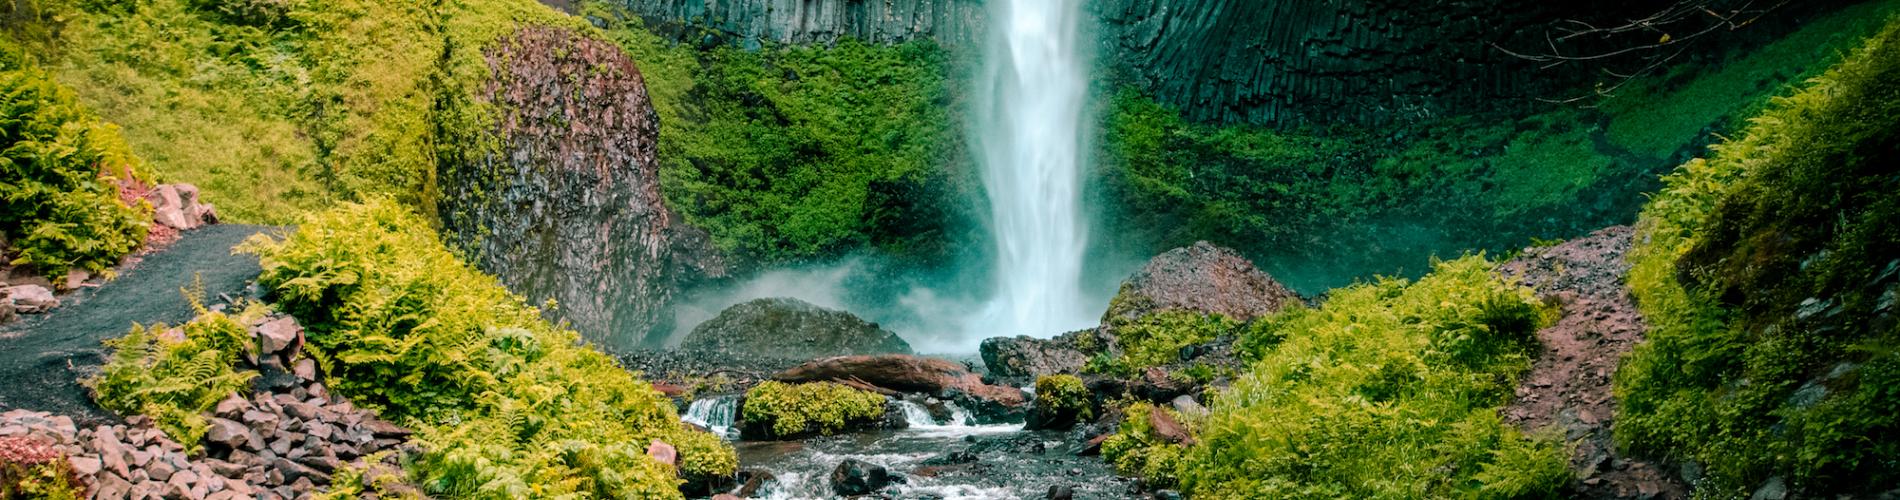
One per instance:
(1258,61)
(567,206)
(953,22)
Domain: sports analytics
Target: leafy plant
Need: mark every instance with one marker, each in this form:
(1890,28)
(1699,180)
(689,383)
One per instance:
(1157,339)
(1064,395)
(1387,390)
(821,407)
(506,404)
(59,205)
(1762,271)
(174,375)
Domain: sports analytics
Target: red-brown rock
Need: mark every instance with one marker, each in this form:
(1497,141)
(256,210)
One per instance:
(1201,278)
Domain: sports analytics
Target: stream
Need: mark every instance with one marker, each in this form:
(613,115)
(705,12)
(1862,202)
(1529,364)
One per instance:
(1009,463)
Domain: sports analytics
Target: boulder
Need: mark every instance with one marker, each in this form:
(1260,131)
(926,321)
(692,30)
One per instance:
(1201,278)
(756,483)
(177,206)
(1060,492)
(855,477)
(1029,357)
(788,327)
(1168,429)
(663,453)
(30,299)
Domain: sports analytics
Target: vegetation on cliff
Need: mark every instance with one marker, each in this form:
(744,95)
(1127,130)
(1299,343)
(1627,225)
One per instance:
(505,404)
(1321,206)
(1767,273)
(61,170)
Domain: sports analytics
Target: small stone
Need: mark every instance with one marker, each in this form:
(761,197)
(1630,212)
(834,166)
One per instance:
(30,299)
(86,466)
(262,422)
(302,486)
(1062,492)
(305,369)
(384,429)
(160,471)
(664,453)
(279,334)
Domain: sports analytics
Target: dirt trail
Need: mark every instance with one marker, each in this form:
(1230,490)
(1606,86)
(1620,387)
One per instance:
(42,357)
(1568,387)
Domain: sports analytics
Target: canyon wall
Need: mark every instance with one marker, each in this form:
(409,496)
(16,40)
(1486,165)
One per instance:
(1256,61)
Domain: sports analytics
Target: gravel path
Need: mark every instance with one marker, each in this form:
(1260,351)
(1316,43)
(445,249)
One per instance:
(1568,387)
(43,356)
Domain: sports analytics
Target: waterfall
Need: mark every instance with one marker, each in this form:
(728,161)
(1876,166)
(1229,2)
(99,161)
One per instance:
(1029,132)
(716,414)
(920,418)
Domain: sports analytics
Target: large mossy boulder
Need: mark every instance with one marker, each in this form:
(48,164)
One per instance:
(791,328)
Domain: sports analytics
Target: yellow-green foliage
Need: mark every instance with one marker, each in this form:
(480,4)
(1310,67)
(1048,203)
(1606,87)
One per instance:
(50,480)
(824,407)
(278,107)
(175,374)
(1388,390)
(59,206)
(1064,394)
(1798,213)
(507,405)
(1136,450)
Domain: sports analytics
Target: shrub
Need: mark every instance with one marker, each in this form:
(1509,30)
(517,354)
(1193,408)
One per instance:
(1064,395)
(821,407)
(33,468)
(1762,271)
(1136,450)
(59,206)
(506,404)
(1388,390)
(1156,339)
(174,375)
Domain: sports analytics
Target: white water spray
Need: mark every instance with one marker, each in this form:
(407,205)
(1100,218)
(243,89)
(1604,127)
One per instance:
(1030,129)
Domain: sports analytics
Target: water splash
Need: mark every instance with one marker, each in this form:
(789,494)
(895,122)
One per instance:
(1029,131)
(716,414)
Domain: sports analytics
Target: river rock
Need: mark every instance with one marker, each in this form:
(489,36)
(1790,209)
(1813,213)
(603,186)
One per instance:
(1201,278)
(30,299)
(756,483)
(1024,357)
(856,477)
(565,204)
(790,327)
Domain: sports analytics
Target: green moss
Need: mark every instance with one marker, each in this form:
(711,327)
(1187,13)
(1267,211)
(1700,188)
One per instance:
(1064,395)
(821,407)
(60,170)
(506,404)
(1388,390)
(1657,115)
(175,375)
(1156,339)
(1760,272)
(785,153)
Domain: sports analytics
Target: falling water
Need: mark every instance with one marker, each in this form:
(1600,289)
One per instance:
(716,414)
(1030,129)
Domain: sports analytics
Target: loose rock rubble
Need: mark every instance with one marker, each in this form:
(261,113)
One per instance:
(1568,387)
(285,441)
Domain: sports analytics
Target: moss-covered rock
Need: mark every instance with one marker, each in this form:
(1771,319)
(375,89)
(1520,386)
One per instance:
(1061,401)
(776,410)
